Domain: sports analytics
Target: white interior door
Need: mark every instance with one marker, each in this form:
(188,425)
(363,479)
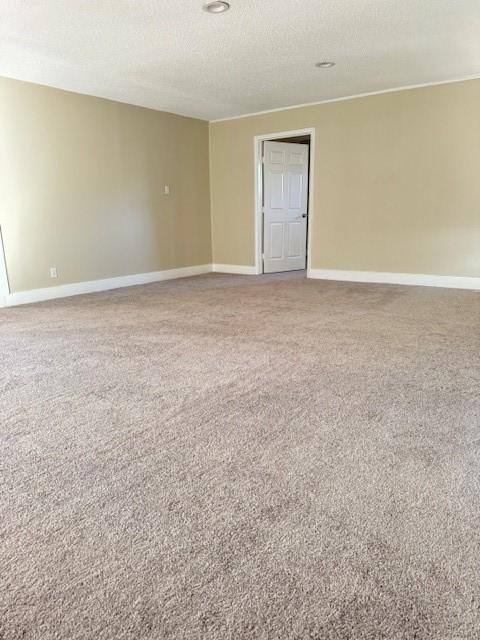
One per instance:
(285,201)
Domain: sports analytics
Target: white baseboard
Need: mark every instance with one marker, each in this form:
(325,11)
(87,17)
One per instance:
(381,277)
(77,288)
(234,268)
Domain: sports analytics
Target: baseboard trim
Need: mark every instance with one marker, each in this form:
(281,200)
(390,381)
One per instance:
(93,286)
(239,269)
(381,277)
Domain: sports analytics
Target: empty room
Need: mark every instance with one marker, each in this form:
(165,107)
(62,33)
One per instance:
(240,320)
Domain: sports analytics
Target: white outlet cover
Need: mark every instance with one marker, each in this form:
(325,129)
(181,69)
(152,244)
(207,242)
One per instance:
(53,272)
(167,190)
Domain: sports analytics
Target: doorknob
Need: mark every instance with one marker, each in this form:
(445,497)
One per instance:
(304,215)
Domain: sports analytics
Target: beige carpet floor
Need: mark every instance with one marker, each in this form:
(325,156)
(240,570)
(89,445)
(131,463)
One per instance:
(234,457)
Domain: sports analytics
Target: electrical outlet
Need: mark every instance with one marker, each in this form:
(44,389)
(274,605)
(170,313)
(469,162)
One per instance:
(53,272)
(167,190)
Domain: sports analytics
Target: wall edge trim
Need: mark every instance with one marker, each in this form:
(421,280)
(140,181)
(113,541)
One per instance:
(239,269)
(385,277)
(353,96)
(106,284)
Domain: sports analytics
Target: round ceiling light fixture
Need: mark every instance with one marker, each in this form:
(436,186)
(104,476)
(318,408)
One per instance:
(217,7)
(325,65)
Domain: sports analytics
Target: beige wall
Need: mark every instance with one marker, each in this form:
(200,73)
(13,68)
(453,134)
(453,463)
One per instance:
(81,187)
(397,182)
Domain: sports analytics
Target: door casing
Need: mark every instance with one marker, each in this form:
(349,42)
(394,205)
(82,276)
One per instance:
(257,142)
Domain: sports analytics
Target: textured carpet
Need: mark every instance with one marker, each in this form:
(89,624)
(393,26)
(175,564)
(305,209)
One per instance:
(230,457)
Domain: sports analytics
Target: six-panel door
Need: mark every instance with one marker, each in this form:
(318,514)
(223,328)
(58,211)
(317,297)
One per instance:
(285,206)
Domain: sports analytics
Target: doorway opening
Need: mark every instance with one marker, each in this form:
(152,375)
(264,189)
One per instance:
(283,200)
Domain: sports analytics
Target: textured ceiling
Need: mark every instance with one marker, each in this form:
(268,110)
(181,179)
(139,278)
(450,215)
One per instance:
(260,55)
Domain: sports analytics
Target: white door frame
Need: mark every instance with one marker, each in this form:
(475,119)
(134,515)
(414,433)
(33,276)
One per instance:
(257,143)
(4,286)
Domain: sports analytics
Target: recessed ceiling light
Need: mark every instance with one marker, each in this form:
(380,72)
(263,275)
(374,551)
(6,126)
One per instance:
(217,7)
(325,65)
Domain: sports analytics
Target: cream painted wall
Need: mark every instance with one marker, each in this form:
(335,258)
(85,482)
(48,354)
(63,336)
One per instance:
(397,182)
(81,187)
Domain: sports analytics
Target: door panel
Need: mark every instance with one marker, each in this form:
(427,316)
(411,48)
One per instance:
(285,185)
(276,157)
(277,190)
(295,240)
(277,231)
(295,189)
(296,158)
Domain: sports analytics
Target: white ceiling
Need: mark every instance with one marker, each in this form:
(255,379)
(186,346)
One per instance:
(260,55)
